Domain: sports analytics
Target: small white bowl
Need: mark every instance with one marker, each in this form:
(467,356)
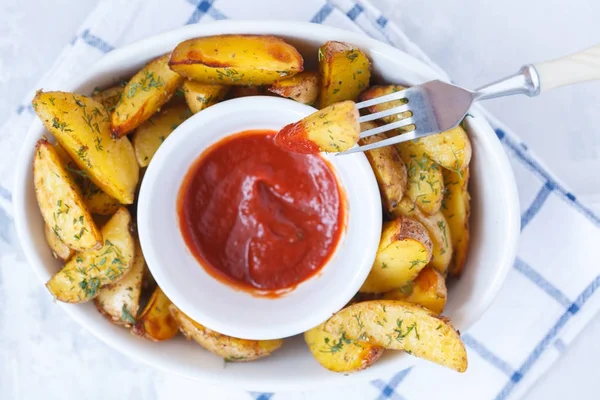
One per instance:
(216,304)
(495,219)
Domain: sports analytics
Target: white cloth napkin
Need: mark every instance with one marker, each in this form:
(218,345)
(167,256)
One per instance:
(548,297)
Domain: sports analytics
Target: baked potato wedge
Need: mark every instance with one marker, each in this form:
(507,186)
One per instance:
(120,301)
(109,97)
(244,91)
(456,207)
(331,129)
(199,96)
(156,322)
(230,348)
(86,272)
(341,354)
(394,325)
(388,167)
(60,251)
(427,290)
(61,202)
(438,230)
(344,71)
(143,95)
(150,135)
(425,186)
(302,87)
(450,149)
(404,250)
(81,125)
(236,59)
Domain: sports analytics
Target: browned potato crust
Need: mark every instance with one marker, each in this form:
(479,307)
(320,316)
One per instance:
(156,322)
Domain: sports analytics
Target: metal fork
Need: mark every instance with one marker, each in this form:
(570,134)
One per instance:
(438,106)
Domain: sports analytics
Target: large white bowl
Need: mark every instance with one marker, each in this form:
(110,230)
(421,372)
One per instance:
(494,219)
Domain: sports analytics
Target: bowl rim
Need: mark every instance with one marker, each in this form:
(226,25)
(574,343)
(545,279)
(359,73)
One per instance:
(360,191)
(284,28)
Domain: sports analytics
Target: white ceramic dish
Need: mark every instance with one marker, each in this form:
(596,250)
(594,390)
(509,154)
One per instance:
(494,220)
(217,305)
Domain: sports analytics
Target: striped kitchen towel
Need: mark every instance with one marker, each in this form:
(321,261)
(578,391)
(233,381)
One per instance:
(549,295)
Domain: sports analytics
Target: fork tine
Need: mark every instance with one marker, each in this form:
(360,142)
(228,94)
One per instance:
(387,127)
(382,99)
(384,113)
(405,137)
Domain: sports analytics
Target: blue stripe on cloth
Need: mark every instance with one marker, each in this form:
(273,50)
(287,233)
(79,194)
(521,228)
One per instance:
(487,355)
(5,194)
(549,338)
(542,283)
(261,396)
(534,166)
(536,204)
(96,42)
(382,21)
(216,14)
(355,11)
(322,14)
(202,8)
(5,224)
(388,390)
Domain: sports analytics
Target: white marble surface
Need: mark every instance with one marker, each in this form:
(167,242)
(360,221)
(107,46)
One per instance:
(44,354)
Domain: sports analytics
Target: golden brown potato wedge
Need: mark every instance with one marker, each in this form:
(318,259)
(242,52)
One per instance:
(437,226)
(120,301)
(244,91)
(144,94)
(60,251)
(395,325)
(404,249)
(344,70)
(81,125)
(236,59)
(148,137)
(302,87)
(388,167)
(425,185)
(456,207)
(109,97)
(199,96)
(95,199)
(230,348)
(342,356)
(427,290)
(61,202)
(86,272)
(334,128)
(450,149)
(156,322)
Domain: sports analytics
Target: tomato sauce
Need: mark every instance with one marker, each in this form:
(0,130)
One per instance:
(258,217)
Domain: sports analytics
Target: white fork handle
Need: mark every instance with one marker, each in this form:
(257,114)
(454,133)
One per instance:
(574,68)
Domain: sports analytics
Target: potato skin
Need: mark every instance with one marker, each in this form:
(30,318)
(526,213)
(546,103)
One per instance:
(230,348)
(427,290)
(302,87)
(396,325)
(438,230)
(344,71)
(388,167)
(86,272)
(82,127)
(236,59)
(404,250)
(60,201)
(143,95)
(60,251)
(456,207)
(331,129)
(156,322)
